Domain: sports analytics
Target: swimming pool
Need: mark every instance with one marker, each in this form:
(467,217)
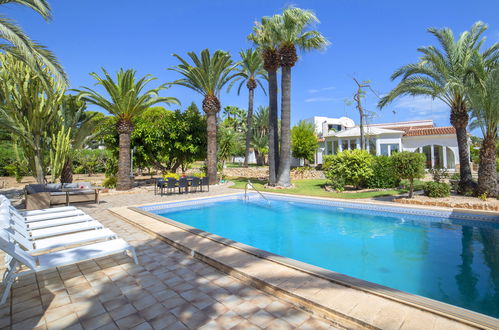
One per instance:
(453,258)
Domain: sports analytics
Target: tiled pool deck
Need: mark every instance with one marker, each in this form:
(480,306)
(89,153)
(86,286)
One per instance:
(168,290)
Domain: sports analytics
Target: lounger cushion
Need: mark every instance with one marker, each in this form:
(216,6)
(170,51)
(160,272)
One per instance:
(60,230)
(53,187)
(58,222)
(86,252)
(71,239)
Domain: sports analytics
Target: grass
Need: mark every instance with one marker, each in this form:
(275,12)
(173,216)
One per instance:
(315,187)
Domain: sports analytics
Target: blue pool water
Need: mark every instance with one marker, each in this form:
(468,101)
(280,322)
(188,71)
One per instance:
(433,257)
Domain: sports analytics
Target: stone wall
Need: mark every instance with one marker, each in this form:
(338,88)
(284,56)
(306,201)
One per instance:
(263,173)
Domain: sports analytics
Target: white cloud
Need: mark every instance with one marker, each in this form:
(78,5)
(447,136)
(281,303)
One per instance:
(314,91)
(321,99)
(423,107)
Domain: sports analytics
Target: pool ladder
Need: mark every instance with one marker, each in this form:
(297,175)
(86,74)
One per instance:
(249,184)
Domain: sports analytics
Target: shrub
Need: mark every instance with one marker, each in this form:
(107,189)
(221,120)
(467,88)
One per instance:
(171,175)
(439,174)
(455,176)
(110,182)
(199,175)
(436,189)
(350,167)
(410,166)
(384,175)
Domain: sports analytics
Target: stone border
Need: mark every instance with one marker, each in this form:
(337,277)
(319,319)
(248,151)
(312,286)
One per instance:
(150,221)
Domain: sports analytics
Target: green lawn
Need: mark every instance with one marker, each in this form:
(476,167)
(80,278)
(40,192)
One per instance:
(315,188)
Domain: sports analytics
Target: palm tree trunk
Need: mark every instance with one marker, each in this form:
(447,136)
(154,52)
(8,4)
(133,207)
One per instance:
(466,183)
(283,176)
(459,119)
(124,179)
(487,173)
(249,128)
(67,171)
(211,124)
(273,129)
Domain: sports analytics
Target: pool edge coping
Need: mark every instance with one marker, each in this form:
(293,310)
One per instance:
(439,308)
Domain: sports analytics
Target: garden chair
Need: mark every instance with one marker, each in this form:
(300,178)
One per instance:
(195,184)
(160,183)
(205,182)
(183,183)
(171,185)
(52,260)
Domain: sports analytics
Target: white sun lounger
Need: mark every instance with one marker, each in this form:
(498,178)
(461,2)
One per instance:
(55,259)
(47,211)
(45,223)
(50,216)
(61,241)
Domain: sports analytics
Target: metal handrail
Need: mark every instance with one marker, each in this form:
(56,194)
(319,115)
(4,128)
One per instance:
(252,186)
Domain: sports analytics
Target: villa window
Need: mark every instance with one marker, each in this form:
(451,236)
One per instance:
(372,146)
(451,162)
(329,147)
(344,144)
(438,156)
(335,147)
(389,149)
(384,149)
(353,144)
(427,153)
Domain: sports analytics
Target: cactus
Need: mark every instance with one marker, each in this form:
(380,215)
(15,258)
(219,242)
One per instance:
(61,143)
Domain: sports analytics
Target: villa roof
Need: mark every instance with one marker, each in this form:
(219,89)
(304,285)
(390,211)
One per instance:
(446,130)
(355,131)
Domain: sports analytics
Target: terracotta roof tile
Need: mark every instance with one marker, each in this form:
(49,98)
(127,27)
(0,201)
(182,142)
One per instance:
(430,131)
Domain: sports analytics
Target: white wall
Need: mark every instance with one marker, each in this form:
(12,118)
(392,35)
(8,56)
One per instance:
(411,143)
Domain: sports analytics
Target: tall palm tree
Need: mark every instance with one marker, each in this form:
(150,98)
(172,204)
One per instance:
(265,39)
(251,69)
(293,29)
(127,100)
(484,101)
(207,76)
(23,48)
(443,74)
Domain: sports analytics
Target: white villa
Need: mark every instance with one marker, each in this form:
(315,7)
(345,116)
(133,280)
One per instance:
(439,144)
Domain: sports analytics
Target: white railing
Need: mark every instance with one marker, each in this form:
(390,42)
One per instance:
(249,184)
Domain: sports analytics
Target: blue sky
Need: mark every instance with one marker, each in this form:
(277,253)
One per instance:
(369,40)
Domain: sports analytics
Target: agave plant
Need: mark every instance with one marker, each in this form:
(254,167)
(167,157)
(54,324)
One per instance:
(127,99)
(207,76)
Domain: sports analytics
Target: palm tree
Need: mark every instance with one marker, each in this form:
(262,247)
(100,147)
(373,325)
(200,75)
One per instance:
(127,100)
(443,74)
(207,76)
(251,69)
(260,138)
(19,45)
(484,101)
(292,30)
